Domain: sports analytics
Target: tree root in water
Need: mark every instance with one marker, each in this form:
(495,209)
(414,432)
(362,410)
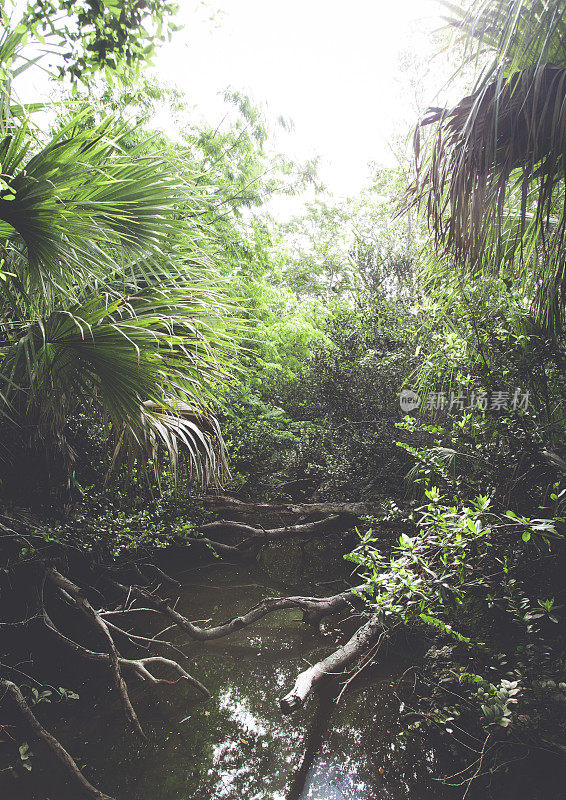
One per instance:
(256,538)
(52,568)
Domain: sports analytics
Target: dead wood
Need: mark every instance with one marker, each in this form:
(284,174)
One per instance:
(256,537)
(334,664)
(314,610)
(30,721)
(356,509)
(68,588)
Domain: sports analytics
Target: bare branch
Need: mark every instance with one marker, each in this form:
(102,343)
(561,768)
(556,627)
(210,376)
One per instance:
(55,748)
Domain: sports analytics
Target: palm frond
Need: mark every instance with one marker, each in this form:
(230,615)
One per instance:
(511,34)
(493,176)
(81,198)
(501,146)
(151,365)
(109,300)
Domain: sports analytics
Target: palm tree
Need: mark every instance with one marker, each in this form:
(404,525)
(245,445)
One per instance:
(109,301)
(493,176)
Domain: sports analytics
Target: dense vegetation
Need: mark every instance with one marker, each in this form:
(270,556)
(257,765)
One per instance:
(161,332)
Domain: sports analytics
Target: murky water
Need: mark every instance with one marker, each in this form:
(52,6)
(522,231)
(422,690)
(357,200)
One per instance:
(238,745)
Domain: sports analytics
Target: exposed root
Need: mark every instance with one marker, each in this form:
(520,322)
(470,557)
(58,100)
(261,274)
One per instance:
(259,536)
(256,538)
(138,666)
(228,551)
(74,774)
(161,576)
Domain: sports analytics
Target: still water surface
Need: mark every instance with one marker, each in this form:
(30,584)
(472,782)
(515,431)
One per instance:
(238,745)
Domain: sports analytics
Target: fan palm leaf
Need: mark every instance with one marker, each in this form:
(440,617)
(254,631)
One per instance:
(81,197)
(149,365)
(493,177)
(109,301)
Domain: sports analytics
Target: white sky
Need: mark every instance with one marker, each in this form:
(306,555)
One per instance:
(350,74)
(337,68)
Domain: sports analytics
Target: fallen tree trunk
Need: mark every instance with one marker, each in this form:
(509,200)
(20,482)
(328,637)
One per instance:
(256,537)
(72,771)
(287,531)
(333,664)
(360,509)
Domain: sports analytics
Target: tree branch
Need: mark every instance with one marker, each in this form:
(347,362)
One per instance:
(56,749)
(333,664)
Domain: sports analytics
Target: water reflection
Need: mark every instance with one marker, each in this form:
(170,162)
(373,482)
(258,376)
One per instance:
(238,710)
(238,746)
(326,781)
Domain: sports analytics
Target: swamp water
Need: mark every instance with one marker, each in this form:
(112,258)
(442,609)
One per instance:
(238,745)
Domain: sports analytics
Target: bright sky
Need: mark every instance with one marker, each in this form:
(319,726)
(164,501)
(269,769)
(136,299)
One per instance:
(350,74)
(340,69)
